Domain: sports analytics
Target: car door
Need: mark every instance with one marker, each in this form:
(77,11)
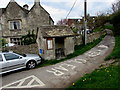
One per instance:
(14,61)
(3,64)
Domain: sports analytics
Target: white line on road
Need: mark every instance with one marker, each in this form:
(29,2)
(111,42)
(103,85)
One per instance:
(55,72)
(19,83)
(78,61)
(103,46)
(94,54)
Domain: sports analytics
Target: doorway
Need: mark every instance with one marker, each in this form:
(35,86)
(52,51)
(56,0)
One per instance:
(59,47)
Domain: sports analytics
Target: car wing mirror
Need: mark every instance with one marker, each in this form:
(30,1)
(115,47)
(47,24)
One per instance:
(20,57)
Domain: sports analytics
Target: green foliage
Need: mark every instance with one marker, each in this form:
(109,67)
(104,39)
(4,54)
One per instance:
(111,27)
(78,51)
(100,78)
(28,39)
(2,42)
(74,29)
(115,20)
(116,52)
(101,20)
(98,29)
(101,28)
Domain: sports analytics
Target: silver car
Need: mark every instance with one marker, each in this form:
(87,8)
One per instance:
(10,61)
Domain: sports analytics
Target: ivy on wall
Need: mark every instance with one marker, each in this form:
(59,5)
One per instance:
(28,39)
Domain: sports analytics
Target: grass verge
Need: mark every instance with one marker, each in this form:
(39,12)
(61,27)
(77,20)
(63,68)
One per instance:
(100,78)
(98,29)
(116,51)
(78,51)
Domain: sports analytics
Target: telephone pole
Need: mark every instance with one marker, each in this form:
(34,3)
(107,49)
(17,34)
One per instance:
(85,22)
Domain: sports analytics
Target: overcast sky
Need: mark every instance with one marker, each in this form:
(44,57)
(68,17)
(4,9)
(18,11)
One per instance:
(59,9)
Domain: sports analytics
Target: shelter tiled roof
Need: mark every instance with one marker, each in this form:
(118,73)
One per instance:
(56,31)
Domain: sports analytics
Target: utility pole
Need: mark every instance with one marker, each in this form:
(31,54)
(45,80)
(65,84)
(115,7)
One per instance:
(85,22)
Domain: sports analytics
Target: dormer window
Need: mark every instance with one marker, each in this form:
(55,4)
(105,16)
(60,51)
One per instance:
(15,25)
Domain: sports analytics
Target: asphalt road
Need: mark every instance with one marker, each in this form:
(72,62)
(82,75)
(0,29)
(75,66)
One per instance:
(63,74)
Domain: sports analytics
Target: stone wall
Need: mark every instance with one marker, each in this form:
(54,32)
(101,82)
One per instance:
(69,45)
(26,49)
(90,37)
(48,54)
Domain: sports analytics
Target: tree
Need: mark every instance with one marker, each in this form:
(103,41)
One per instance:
(115,17)
(101,20)
(62,22)
(115,20)
(90,21)
(116,6)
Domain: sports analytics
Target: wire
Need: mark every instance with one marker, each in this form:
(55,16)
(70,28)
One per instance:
(71,9)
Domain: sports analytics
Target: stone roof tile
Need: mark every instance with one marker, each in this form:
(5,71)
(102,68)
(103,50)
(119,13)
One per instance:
(56,31)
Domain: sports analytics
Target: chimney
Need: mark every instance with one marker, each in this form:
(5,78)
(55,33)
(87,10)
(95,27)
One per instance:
(37,2)
(25,6)
(12,0)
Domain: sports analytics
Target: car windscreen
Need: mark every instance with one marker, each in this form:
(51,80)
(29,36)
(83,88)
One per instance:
(24,55)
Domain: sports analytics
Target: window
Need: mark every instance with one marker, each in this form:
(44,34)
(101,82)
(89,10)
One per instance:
(11,56)
(49,43)
(1,59)
(16,41)
(13,25)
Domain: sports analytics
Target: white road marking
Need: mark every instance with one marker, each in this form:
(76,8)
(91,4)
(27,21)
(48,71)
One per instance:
(61,68)
(103,46)
(93,54)
(113,42)
(69,65)
(78,61)
(55,72)
(30,82)
(20,83)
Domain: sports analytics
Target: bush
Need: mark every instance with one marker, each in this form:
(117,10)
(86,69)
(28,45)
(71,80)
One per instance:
(115,20)
(101,20)
(28,39)
(2,42)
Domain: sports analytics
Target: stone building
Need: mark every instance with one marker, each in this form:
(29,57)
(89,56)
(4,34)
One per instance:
(55,42)
(15,21)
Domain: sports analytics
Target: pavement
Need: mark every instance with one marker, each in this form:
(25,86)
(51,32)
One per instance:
(63,74)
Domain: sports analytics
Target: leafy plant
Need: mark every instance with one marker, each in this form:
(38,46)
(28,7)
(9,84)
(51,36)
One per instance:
(115,20)
(28,39)
(74,29)
(2,42)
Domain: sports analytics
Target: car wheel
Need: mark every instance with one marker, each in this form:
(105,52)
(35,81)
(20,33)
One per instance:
(31,64)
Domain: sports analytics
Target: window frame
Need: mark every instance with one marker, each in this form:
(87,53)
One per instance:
(49,39)
(11,58)
(13,22)
(17,40)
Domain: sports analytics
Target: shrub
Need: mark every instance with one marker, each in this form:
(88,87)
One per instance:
(28,39)
(115,20)
(2,42)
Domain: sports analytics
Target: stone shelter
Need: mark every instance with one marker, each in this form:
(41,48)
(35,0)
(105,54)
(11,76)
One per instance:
(16,21)
(55,42)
